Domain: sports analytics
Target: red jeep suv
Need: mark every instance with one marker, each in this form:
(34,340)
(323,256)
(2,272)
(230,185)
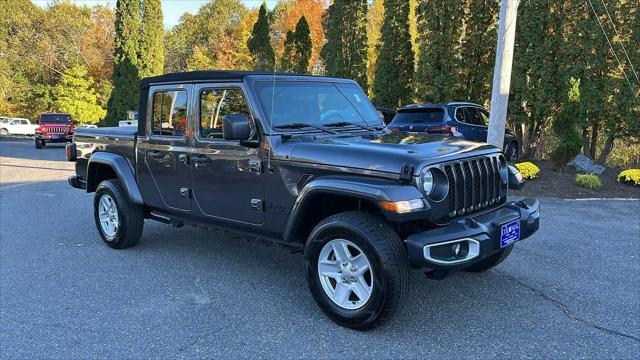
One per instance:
(54,128)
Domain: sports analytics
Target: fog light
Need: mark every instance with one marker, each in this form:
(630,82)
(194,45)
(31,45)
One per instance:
(455,249)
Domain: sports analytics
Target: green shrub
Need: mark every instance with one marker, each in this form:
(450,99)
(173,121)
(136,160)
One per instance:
(588,181)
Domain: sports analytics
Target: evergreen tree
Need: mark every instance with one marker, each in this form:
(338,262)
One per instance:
(437,76)
(151,39)
(288,54)
(538,75)
(394,72)
(565,127)
(126,76)
(74,95)
(345,52)
(303,47)
(260,42)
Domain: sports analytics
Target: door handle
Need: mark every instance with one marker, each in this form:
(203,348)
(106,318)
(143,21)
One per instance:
(156,155)
(200,159)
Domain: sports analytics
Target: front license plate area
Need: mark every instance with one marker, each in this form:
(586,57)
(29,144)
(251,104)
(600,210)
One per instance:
(509,233)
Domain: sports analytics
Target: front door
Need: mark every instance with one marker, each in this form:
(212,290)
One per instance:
(226,175)
(166,152)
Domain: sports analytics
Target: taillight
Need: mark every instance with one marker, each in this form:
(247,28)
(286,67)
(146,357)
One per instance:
(443,129)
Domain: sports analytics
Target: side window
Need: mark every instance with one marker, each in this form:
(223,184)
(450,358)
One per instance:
(484,115)
(473,116)
(24,122)
(461,114)
(169,113)
(215,104)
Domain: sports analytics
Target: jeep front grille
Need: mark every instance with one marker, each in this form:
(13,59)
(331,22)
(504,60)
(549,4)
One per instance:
(474,184)
(57,129)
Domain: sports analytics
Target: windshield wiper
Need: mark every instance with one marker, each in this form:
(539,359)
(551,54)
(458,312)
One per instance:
(303,125)
(348,123)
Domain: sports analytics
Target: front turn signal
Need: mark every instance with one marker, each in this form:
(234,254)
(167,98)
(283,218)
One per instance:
(402,207)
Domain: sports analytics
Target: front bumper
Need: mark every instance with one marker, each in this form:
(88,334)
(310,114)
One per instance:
(55,138)
(481,235)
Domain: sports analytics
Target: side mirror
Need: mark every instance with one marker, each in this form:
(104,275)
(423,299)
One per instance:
(516,181)
(236,127)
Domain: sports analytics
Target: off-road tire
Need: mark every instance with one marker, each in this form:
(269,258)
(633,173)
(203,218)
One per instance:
(386,254)
(490,261)
(40,144)
(130,216)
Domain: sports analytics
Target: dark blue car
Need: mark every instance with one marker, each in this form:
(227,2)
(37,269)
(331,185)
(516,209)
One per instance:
(467,120)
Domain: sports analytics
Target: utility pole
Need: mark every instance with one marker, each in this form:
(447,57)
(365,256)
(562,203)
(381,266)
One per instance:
(502,72)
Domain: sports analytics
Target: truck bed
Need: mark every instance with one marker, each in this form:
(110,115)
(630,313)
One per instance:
(117,140)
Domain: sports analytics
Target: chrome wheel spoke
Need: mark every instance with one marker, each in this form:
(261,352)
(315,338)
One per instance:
(361,263)
(342,293)
(340,250)
(328,268)
(361,289)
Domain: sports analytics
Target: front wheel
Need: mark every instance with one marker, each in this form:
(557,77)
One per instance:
(39,144)
(119,221)
(357,269)
(4,132)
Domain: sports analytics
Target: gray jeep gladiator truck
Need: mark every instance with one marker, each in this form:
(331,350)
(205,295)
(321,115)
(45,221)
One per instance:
(305,161)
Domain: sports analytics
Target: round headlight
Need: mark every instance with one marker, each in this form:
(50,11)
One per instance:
(427,182)
(435,184)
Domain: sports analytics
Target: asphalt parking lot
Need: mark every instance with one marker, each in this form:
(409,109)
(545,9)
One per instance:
(572,291)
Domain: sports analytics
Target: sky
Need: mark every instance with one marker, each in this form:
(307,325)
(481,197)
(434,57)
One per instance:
(172,9)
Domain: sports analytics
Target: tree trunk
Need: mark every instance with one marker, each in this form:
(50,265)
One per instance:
(595,132)
(608,146)
(585,141)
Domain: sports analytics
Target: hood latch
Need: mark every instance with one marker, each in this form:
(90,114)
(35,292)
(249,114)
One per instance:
(406,173)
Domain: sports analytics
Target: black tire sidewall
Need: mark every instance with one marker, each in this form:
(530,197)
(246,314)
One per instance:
(107,187)
(357,318)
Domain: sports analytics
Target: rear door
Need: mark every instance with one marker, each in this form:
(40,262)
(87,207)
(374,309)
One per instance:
(165,175)
(469,123)
(226,175)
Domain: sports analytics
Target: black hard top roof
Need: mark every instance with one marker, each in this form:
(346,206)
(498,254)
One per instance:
(209,75)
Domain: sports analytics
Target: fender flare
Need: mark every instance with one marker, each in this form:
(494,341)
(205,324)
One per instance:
(373,190)
(123,170)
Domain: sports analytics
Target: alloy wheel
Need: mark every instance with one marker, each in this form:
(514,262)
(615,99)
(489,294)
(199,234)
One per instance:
(345,274)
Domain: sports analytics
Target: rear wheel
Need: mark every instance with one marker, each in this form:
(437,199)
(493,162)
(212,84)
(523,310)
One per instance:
(357,269)
(491,261)
(119,221)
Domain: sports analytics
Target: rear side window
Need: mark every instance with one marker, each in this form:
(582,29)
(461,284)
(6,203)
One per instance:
(435,115)
(169,113)
(214,105)
(473,116)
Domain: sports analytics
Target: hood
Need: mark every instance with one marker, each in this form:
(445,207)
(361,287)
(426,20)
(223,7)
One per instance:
(387,153)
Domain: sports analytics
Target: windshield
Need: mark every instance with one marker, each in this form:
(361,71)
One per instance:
(316,103)
(419,116)
(55,119)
